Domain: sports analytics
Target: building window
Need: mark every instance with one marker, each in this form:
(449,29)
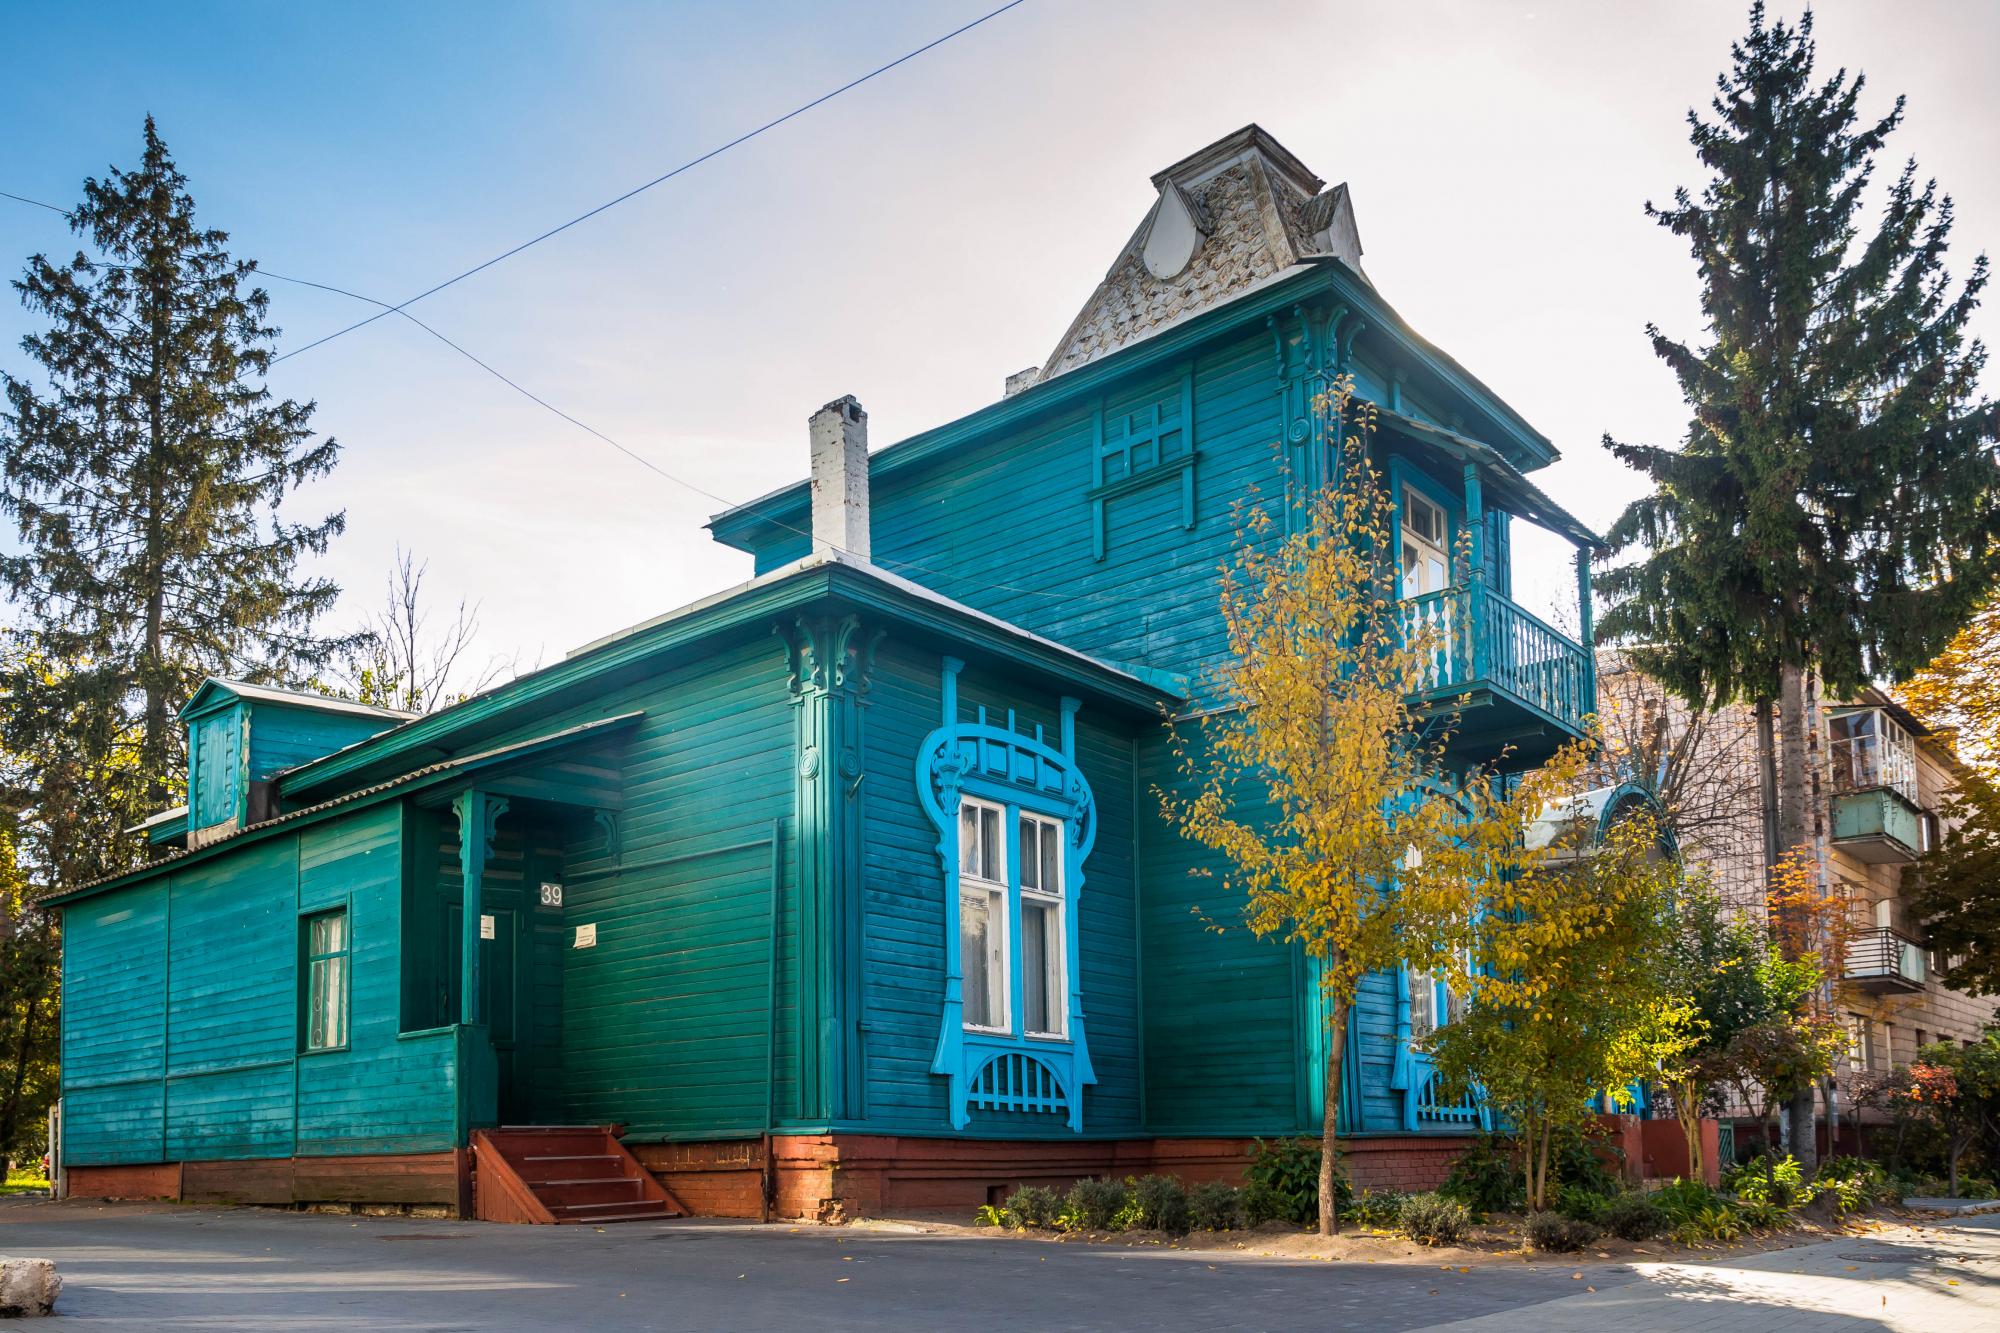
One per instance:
(327,948)
(1867,749)
(1438,1001)
(1423,1004)
(1426,567)
(1043,995)
(982,914)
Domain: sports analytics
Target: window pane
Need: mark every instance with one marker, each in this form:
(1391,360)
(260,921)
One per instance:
(1031,861)
(1052,858)
(974,925)
(989,843)
(1037,979)
(336,1001)
(1423,1004)
(968,839)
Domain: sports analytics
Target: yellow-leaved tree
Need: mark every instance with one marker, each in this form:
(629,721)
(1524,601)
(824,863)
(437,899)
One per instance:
(1331,798)
(1575,996)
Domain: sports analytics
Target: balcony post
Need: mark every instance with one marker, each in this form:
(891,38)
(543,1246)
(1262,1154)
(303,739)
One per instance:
(1588,633)
(1474,611)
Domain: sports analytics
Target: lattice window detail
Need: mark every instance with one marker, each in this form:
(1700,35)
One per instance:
(1015,1081)
(1151,443)
(1433,1111)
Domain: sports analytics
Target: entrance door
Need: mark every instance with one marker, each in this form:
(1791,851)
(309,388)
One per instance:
(500,957)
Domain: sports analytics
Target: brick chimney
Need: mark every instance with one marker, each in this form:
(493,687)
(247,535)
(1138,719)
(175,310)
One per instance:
(840,478)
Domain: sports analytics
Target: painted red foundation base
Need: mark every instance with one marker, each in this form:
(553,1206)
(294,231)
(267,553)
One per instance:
(837,1176)
(413,1178)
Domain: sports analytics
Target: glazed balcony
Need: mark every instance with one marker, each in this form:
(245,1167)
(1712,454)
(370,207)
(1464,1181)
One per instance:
(1872,763)
(1514,681)
(1884,961)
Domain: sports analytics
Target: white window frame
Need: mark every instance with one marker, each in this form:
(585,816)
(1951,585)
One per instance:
(1056,949)
(1415,502)
(999,908)
(1880,754)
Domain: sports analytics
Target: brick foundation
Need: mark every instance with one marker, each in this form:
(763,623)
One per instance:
(834,1176)
(439,1178)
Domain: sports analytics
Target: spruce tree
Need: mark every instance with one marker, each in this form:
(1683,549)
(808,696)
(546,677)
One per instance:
(1834,509)
(147,468)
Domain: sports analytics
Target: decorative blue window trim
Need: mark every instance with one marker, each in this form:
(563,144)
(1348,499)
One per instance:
(1415,1074)
(1151,443)
(1009,1071)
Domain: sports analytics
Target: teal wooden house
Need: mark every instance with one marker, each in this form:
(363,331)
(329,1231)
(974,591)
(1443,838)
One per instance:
(845,888)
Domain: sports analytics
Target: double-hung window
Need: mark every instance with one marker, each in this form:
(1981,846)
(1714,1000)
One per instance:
(1043,995)
(327,951)
(1000,903)
(982,913)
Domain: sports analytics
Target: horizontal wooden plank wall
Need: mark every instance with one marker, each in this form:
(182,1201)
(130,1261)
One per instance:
(181,1040)
(664,1022)
(903,893)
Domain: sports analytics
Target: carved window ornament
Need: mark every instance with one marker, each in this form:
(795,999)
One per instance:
(1015,821)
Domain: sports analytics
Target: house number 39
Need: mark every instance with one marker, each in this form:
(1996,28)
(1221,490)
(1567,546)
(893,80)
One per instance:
(552,895)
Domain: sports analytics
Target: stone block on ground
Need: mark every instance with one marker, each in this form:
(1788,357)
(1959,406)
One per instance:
(28,1287)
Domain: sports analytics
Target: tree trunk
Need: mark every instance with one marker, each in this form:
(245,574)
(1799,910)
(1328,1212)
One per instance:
(1541,1199)
(1687,1109)
(23,1050)
(153,744)
(1527,1137)
(1794,840)
(1329,1133)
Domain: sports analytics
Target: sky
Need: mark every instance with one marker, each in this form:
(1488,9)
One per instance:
(911,242)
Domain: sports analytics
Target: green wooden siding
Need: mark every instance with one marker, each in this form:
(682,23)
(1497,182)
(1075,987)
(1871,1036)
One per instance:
(904,914)
(182,1033)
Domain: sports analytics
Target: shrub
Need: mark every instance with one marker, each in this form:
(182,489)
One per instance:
(1284,1175)
(1558,1234)
(1373,1208)
(1214,1206)
(1431,1219)
(1035,1206)
(1574,1162)
(1580,1203)
(1163,1204)
(1684,1199)
(1634,1217)
(1766,1180)
(1873,1182)
(1486,1178)
(1095,1204)
(1721,1222)
(989,1216)
(1762,1215)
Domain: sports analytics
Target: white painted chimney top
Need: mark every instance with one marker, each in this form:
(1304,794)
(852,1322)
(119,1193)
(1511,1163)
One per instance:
(839,434)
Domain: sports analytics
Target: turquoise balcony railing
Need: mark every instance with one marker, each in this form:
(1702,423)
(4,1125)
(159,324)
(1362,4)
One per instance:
(1487,650)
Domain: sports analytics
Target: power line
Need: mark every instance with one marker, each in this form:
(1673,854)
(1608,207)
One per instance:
(587,428)
(689,165)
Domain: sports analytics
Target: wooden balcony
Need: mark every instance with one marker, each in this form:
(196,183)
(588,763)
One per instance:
(1881,961)
(1515,683)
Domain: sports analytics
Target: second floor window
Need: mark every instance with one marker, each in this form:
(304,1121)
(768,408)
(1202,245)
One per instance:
(1426,568)
(982,914)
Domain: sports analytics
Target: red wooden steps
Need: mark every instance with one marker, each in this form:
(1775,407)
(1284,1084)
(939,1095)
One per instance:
(563,1174)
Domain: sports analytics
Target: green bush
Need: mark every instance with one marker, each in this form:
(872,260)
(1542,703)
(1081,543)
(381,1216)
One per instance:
(1763,1215)
(1558,1234)
(1634,1217)
(1486,1178)
(1215,1206)
(1035,1206)
(1372,1208)
(1684,1199)
(1163,1204)
(989,1216)
(1284,1182)
(1873,1181)
(1574,1162)
(1780,1182)
(1092,1205)
(1720,1222)
(1432,1219)
(1580,1204)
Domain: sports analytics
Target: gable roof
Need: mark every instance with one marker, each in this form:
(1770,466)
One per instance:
(215,687)
(751,607)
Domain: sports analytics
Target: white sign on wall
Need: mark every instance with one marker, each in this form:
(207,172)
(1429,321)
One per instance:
(485,926)
(586,936)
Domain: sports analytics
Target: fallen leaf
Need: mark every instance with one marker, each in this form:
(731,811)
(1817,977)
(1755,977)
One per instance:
(843,1279)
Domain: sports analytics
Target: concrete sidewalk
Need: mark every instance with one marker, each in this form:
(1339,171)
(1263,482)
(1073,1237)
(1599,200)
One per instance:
(1942,1278)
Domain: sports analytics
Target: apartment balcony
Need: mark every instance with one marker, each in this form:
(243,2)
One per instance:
(1515,683)
(1883,961)
(1879,825)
